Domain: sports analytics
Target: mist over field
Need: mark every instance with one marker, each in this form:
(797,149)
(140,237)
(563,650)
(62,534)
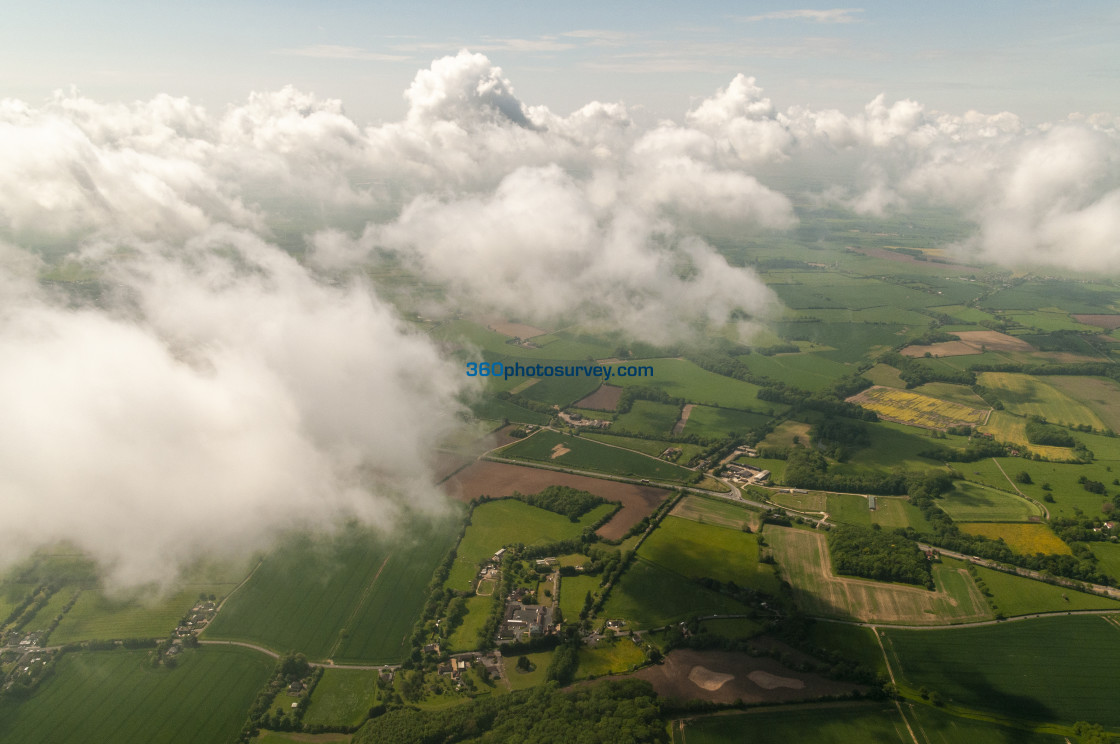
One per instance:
(235,374)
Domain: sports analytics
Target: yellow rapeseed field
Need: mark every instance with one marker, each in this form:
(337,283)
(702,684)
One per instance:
(1025,539)
(916,409)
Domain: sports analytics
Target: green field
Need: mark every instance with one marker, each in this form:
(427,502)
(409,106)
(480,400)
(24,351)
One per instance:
(115,696)
(834,724)
(342,697)
(466,636)
(852,642)
(807,371)
(584,454)
(1015,595)
(354,596)
(738,628)
(683,379)
(698,550)
(649,596)
(96,617)
(971,502)
(651,447)
(722,512)
(716,423)
(573,592)
(1059,669)
(496,524)
(609,657)
(496,409)
(519,680)
(1030,396)
(1108,557)
(1098,393)
(1069,496)
(649,418)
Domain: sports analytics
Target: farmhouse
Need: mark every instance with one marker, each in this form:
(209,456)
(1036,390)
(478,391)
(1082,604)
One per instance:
(523,621)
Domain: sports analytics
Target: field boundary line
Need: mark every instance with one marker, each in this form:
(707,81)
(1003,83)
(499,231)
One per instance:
(1045,511)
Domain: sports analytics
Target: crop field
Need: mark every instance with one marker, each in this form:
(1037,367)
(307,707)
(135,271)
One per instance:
(561,391)
(648,417)
(498,480)
(1016,595)
(808,371)
(784,433)
(1098,393)
(814,501)
(961,394)
(1047,321)
(846,507)
(95,617)
(898,512)
(1073,297)
(649,596)
(971,502)
(715,423)
(804,562)
(583,454)
(912,408)
(683,379)
(1048,669)
(492,408)
(710,511)
(705,550)
(609,657)
(115,696)
(342,697)
(885,375)
(895,445)
(355,595)
(496,524)
(841,724)
(1030,396)
(939,727)
(853,642)
(1025,539)
(733,627)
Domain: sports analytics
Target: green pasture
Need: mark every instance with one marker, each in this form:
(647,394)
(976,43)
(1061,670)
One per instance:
(847,342)
(1069,496)
(699,550)
(832,724)
(1100,394)
(1015,595)
(852,642)
(885,375)
(342,697)
(519,680)
(116,696)
(496,524)
(808,371)
(737,628)
(1048,321)
(716,423)
(719,511)
(351,596)
(1072,297)
(652,447)
(585,454)
(649,596)
(683,379)
(609,657)
(573,592)
(491,408)
(466,636)
(1060,669)
(895,446)
(971,502)
(649,417)
(1031,396)
(1108,557)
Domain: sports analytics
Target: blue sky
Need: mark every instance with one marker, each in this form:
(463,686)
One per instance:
(1041,60)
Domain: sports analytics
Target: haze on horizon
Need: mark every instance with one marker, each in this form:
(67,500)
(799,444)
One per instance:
(238,376)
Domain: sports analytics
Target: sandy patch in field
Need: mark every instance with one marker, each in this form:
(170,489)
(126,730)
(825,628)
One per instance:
(1100,321)
(499,479)
(605,398)
(706,679)
(768,681)
(679,426)
(727,677)
(559,450)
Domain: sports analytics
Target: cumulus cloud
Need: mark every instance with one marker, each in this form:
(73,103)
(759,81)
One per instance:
(218,390)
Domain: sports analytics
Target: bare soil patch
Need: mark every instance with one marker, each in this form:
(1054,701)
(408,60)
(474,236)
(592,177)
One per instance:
(605,398)
(943,349)
(727,677)
(499,480)
(903,258)
(559,450)
(679,426)
(971,342)
(1100,321)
